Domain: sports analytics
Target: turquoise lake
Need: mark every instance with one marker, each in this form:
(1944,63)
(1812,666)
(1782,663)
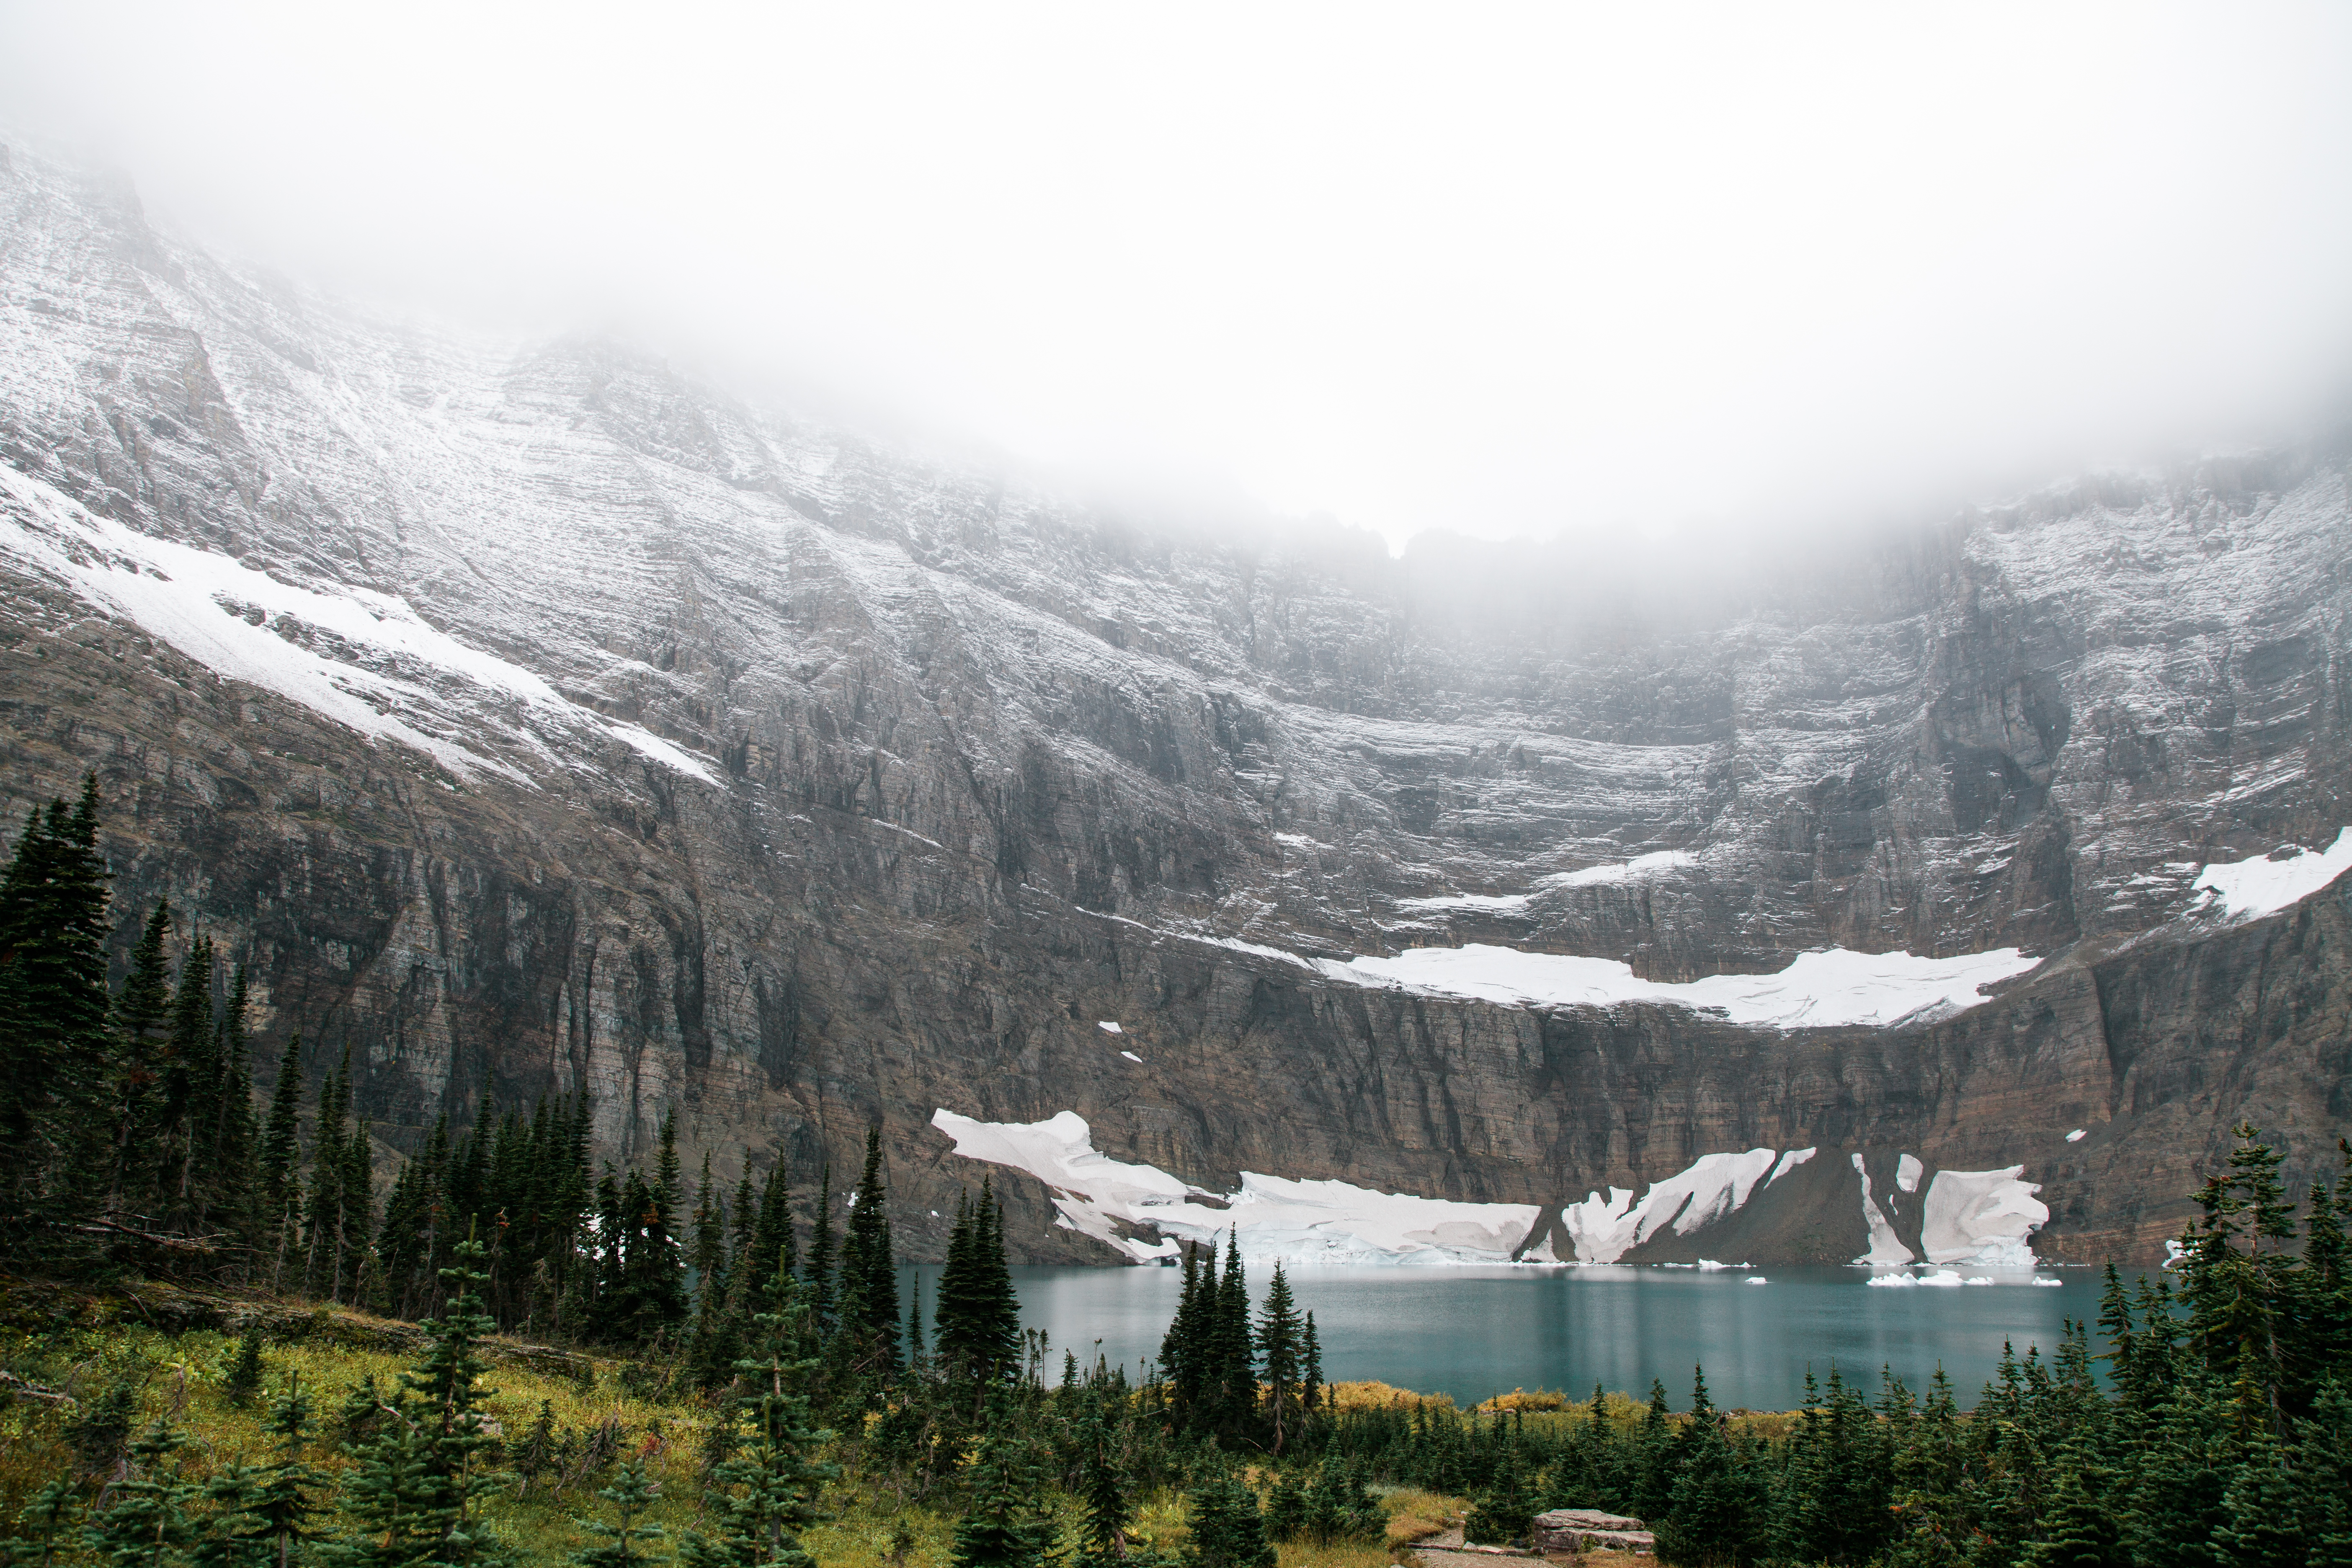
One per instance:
(1471,1332)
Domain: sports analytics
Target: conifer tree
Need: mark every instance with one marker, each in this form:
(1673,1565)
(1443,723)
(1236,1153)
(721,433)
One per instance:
(45,1520)
(869,1274)
(225,1193)
(241,1379)
(1505,1509)
(1105,1493)
(54,1010)
(820,1257)
(1230,1354)
(774,1245)
(764,1495)
(669,1174)
(1715,1506)
(287,1497)
(1311,1392)
(995,1309)
(418,1484)
(1003,1526)
(355,1211)
(146,1522)
(281,1131)
(745,1218)
(144,1008)
(323,1232)
(1280,1337)
(622,1543)
(709,1242)
(2077,1528)
(953,1329)
(1180,1348)
(1228,1530)
(191,1077)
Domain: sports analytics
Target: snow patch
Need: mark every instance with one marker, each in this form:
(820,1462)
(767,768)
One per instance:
(647,743)
(1907,1171)
(1885,1246)
(1467,903)
(2075,1136)
(1642,868)
(1295,1221)
(1824,989)
(1130,1055)
(1789,1162)
(363,659)
(1107,1027)
(2264,884)
(1605,1228)
(1983,1217)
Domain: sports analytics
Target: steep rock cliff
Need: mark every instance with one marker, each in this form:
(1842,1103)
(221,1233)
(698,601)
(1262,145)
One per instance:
(581,725)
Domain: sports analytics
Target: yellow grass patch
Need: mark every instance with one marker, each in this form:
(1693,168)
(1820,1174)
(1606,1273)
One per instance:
(1415,1515)
(1381,1396)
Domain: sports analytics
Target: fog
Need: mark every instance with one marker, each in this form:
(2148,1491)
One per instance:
(1640,272)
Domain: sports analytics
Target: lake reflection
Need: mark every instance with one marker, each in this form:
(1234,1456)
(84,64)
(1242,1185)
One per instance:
(1471,1332)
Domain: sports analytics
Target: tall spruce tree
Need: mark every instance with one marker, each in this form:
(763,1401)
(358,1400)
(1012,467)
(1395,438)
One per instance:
(1228,1531)
(869,1274)
(54,1044)
(225,1194)
(191,1079)
(820,1258)
(1231,1352)
(709,1242)
(976,1321)
(322,1234)
(281,1131)
(144,1031)
(1280,1343)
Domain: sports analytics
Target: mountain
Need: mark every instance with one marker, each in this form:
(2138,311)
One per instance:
(531,717)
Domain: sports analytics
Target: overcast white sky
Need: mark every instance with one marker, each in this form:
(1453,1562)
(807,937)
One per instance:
(1490,270)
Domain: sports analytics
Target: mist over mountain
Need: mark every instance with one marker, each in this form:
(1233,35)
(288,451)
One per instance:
(533,718)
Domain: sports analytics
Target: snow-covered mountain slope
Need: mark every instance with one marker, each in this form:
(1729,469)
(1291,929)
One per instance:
(542,717)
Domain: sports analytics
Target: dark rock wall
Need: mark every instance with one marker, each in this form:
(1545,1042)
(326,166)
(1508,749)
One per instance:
(988,762)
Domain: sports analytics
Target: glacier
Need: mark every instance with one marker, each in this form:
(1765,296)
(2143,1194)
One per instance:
(1826,989)
(1295,1223)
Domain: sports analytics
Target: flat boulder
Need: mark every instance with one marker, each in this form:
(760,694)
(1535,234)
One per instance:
(1586,1529)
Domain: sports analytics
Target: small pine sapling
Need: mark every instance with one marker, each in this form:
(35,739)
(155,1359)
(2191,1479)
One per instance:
(45,1518)
(101,1431)
(241,1369)
(621,1543)
(146,1523)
